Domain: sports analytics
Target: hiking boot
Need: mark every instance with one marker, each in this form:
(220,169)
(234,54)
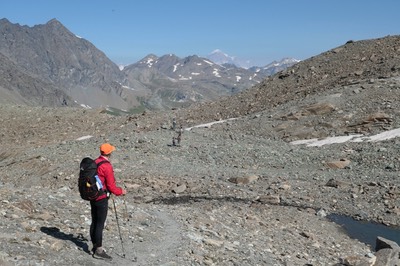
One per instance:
(101,254)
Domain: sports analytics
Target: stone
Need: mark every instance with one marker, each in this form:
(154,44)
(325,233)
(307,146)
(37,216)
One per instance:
(359,261)
(213,242)
(179,189)
(382,243)
(342,163)
(387,257)
(336,183)
(269,199)
(243,180)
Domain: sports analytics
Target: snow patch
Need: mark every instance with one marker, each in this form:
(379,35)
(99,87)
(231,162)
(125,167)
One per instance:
(216,73)
(149,62)
(386,135)
(85,106)
(127,87)
(84,137)
(207,125)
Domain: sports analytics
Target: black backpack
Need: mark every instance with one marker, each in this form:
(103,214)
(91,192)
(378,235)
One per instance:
(90,186)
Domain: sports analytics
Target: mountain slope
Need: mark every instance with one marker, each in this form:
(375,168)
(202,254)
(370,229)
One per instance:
(344,65)
(53,54)
(16,85)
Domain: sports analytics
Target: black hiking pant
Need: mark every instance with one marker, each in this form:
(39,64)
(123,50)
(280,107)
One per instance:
(99,214)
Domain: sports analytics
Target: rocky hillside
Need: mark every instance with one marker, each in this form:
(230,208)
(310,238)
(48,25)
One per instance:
(354,71)
(16,84)
(237,192)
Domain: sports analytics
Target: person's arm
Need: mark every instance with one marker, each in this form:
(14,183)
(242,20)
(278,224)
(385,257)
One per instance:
(110,183)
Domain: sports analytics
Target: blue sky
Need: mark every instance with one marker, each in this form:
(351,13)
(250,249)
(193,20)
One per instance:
(257,30)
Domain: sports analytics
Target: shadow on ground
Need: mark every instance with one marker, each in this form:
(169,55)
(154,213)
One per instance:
(79,240)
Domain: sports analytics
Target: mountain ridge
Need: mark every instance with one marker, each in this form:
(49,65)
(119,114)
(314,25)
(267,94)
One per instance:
(54,54)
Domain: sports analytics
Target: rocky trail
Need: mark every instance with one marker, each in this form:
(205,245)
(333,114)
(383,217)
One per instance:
(214,200)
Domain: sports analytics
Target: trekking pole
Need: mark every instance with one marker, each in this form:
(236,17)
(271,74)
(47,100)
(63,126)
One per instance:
(119,229)
(129,228)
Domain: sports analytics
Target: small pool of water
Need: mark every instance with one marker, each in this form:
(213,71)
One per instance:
(366,232)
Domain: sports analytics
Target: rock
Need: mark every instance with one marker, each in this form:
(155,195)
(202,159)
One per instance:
(57,245)
(342,163)
(213,242)
(336,183)
(269,199)
(388,252)
(179,189)
(320,108)
(382,243)
(321,213)
(243,180)
(387,257)
(359,261)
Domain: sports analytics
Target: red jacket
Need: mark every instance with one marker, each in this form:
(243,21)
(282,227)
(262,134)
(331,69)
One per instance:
(106,175)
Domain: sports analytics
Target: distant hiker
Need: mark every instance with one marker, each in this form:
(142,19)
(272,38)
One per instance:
(173,124)
(99,206)
(173,141)
(179,138)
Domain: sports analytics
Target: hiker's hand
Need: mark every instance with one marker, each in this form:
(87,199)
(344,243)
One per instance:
(123,192)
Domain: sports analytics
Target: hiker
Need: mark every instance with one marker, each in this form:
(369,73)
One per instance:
(173,123)
(99,206)
(173,141)
(179,136)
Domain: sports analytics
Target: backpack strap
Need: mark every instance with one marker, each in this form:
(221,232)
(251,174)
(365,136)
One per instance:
(100,163)
(104,161)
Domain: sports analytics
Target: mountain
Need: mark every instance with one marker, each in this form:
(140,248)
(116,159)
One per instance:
(179,82)
(221,58)
(274,67)
(80,74)
(52,53)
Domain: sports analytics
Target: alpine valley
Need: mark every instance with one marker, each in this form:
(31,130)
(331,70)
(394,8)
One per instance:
(50,66)
(265,164)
